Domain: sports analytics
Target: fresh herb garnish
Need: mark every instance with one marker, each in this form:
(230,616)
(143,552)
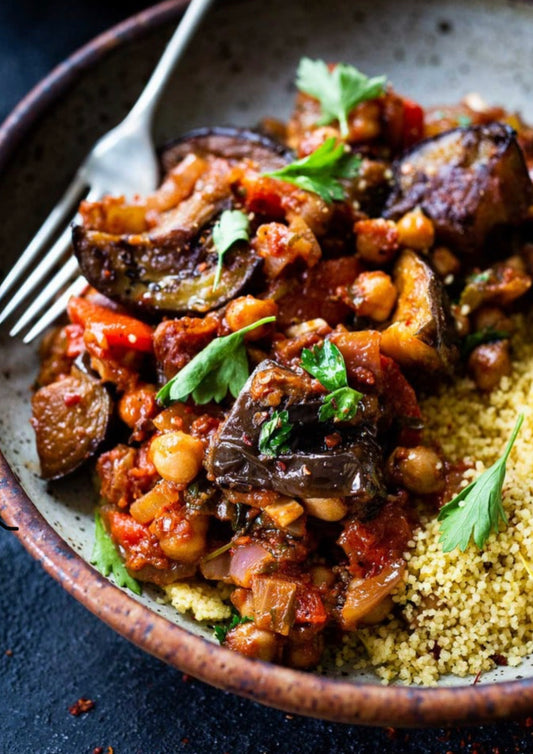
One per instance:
(222,631)
(338,90)
(232,226)
(322,170)
(464,121)
(275,433)
(220,366)
(476,339)
(326,363)
(477,510)
(107,560)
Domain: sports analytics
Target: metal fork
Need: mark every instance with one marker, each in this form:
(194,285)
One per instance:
(122,162)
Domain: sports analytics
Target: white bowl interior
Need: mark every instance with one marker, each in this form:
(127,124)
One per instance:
(240,69)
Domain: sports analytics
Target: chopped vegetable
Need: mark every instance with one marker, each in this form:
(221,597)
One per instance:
(110,328)
(221,631)
(477,510)
(275,433)
(326,363)
(338,90)
(219,367)
(322,171)
(232,226)
(107,560)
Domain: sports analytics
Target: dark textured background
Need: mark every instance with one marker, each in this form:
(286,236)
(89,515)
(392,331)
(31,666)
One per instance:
(52,651)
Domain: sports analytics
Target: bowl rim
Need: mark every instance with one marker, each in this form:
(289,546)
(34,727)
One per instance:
(289,690)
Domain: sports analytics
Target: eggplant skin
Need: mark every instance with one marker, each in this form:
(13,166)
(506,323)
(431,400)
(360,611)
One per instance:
(468,181)
(173,277)
(71,419)
(353,468)
(421,335)
(229,143)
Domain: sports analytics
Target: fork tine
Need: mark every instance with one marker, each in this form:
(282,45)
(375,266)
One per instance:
(47,295)
(39,273)
(46,231)
(57,308)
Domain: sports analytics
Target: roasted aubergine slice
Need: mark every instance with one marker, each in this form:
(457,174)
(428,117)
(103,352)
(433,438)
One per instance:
(468,181)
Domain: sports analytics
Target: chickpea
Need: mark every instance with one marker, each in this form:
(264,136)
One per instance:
(419,469)
(177,456)
(246,310)
(488,363)
(137,404)
(364,122)
(377,240)
(374,295)
(186,540)
(415,230)
(326,508)
(445,262)
(251,641)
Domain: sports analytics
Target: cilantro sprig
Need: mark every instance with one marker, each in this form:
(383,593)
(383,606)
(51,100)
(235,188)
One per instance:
(220,366)
(322,170)
(221,631)
(107,560)
(232,226)
(326,364)
(338,90)
(275,433)
(478,509)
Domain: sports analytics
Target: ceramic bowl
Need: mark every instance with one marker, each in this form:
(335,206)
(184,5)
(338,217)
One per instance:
(240,68)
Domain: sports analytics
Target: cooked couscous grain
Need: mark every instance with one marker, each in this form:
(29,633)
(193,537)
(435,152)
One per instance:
(462,613)
(205,602)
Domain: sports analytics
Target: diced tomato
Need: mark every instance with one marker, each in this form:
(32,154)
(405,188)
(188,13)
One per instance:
(108,328)
(309,607)
(402,398)
(413,122)
(126,531)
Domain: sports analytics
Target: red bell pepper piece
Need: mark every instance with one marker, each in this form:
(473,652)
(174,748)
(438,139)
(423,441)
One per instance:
(108,328)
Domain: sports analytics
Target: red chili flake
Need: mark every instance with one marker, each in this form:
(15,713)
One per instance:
(289,717)
(391,732)
(332,440)
(185,741)
(528,722)
(185,678)
(72,399)
(246,439)
(499,659)
(98,750)
(9,653)
(81,706)
(476,679)
(281,466)
(202,266)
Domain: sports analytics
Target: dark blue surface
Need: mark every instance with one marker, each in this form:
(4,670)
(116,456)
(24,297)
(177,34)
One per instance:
(52,651)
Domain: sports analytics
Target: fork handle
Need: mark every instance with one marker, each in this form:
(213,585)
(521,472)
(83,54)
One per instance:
(146,104)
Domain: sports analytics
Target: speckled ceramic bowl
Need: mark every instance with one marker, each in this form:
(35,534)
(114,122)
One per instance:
(240,68)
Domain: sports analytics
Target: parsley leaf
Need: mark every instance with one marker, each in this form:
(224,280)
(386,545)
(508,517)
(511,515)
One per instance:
(477,510)
(220,366)
(222,631)
(475,339)
(338,90)
(107,560)
(275,433)
(232,226)
(321,171)
(341,405)
(464,120)
(326,363)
